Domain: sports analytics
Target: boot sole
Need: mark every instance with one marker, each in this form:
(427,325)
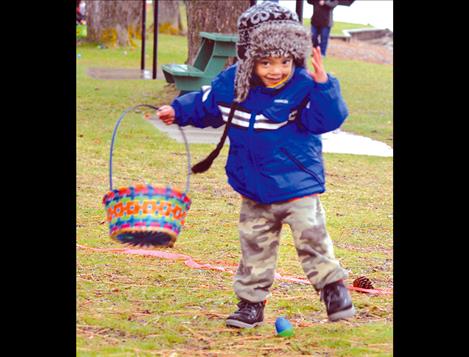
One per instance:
(240,324)
(344,314)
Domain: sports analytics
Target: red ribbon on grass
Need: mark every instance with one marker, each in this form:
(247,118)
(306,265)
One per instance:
(193,264)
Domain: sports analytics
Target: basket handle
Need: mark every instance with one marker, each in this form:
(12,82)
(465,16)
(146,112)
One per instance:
(114,137)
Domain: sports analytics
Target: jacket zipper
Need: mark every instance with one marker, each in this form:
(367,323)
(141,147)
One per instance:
(300,165)
(252,120)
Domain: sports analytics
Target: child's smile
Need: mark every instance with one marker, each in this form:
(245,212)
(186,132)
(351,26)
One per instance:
(273,70)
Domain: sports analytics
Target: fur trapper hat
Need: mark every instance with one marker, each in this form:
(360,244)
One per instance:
(267,29)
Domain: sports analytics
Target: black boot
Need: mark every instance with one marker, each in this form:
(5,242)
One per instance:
(249,315)
(338,301)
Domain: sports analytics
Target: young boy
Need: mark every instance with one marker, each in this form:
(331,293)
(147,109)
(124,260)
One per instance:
(274,111)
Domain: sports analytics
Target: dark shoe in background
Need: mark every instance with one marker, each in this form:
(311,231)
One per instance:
(338,302)
(248,315)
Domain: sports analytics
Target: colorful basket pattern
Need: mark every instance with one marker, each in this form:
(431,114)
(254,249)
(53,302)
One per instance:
(146,214)
(146,208)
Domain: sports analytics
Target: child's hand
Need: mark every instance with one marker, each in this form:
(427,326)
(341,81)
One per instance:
(166,114)
(319,74)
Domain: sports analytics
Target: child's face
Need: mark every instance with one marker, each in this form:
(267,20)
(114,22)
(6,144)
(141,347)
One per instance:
(272,70)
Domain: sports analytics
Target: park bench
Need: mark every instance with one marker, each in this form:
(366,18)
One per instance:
(210,60)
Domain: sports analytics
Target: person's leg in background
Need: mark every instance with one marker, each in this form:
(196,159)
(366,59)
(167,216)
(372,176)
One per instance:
(324,35)
(314,35)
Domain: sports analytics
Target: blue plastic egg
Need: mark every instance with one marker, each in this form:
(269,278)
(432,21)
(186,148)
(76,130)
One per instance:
(283,327)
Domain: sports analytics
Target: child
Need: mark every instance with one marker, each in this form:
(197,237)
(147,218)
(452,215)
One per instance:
(274,111)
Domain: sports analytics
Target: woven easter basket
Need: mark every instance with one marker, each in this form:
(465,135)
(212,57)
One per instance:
(145,214)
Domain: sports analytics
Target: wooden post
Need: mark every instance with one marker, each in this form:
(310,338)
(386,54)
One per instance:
(155,36)
(144,16)
(299,10)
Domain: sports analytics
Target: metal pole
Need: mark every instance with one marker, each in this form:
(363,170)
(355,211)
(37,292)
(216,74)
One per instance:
(144,16)
(299,10)
(155,36)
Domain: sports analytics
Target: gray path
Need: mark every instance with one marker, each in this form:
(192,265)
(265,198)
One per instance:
(337,141)
(194,135)
(123,73)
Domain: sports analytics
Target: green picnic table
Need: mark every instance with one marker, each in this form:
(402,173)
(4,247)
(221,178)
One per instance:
(210,60)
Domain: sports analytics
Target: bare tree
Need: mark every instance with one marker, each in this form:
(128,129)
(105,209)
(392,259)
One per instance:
(169,18)
(211,16)
(115,22)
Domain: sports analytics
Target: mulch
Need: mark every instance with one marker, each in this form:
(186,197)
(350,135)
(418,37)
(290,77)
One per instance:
(360,51)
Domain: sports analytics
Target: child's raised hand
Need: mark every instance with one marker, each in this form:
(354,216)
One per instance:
(319,74)
(166,114)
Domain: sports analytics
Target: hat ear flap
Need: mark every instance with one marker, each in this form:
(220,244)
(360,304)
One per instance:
(243,77)
(300,62)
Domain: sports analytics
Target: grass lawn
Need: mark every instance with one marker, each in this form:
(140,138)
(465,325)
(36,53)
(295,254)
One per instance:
(130,305)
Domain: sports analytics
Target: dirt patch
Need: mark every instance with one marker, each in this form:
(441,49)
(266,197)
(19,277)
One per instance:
(360,51)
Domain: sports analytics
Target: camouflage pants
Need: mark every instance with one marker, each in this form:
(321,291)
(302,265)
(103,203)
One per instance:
(259,230)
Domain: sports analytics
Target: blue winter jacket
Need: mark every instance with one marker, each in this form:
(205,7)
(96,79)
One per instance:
(275,149)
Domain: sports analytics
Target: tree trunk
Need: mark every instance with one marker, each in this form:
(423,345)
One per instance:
(211,16)
(169,20)
(115,22)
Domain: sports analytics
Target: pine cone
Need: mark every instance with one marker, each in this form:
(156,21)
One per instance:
(363,282)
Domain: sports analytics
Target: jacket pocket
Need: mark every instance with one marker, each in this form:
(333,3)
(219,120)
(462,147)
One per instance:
(301,166)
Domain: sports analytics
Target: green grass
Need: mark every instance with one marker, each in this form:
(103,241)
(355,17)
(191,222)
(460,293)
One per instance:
(367,89)
(129,305)
(171,49)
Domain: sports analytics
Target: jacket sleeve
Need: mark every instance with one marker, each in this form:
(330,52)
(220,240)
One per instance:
(199,109)
(326,109)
